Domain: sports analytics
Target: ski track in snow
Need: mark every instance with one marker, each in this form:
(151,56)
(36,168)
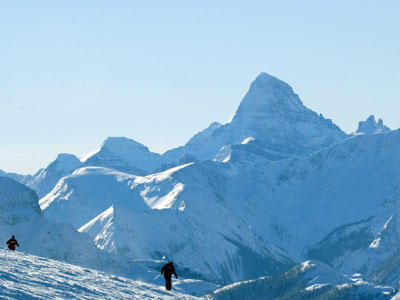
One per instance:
(24,276)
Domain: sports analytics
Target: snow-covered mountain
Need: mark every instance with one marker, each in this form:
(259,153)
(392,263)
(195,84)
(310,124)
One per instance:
(180,214)
(45,179)
(17,177)
(125,155)
(370,126)
(333,205)
(193,146)
(297,202)
(375,254)
(87,192)
(20,215)
(240,201)
(273,115)
(300,204)
(118,153)
(309,280)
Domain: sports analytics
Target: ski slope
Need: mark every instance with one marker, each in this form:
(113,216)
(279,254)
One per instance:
(24,276)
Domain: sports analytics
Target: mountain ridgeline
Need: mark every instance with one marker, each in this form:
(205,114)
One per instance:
(244,203)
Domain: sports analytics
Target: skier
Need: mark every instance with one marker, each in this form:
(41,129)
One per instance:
(168,269)
(11,243)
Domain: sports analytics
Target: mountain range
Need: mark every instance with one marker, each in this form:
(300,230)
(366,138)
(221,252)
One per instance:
(276,192)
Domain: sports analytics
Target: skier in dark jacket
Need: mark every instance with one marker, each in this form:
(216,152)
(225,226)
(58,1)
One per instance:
(168,270)
(11,243)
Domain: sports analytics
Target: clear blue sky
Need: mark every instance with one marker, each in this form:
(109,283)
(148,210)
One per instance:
(74,72)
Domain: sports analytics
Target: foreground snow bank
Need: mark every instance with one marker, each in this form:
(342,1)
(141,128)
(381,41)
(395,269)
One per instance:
(24,276)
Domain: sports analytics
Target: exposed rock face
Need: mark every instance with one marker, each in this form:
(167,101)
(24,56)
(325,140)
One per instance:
(370,126)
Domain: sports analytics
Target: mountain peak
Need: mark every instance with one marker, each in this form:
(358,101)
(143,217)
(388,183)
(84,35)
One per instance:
(123,142)
(265,80)
(63,165)
(65,161)
(273,115)
(268,94)
(19,203)
(66,156)
(125,155)
(116,145)
(370,126)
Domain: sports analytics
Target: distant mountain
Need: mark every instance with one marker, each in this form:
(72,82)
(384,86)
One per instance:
(195,147)
(304,199)
(272,115)
(361,248)
(271,121)
(87,192)
(339,205)
(324,206)
(370,126)
(17,177)
(45,179)
(180,214)
(118,153)
(125,155)
(20,215)
(309,280)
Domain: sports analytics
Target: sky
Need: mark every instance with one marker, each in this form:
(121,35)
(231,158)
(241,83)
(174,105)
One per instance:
(75,72)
